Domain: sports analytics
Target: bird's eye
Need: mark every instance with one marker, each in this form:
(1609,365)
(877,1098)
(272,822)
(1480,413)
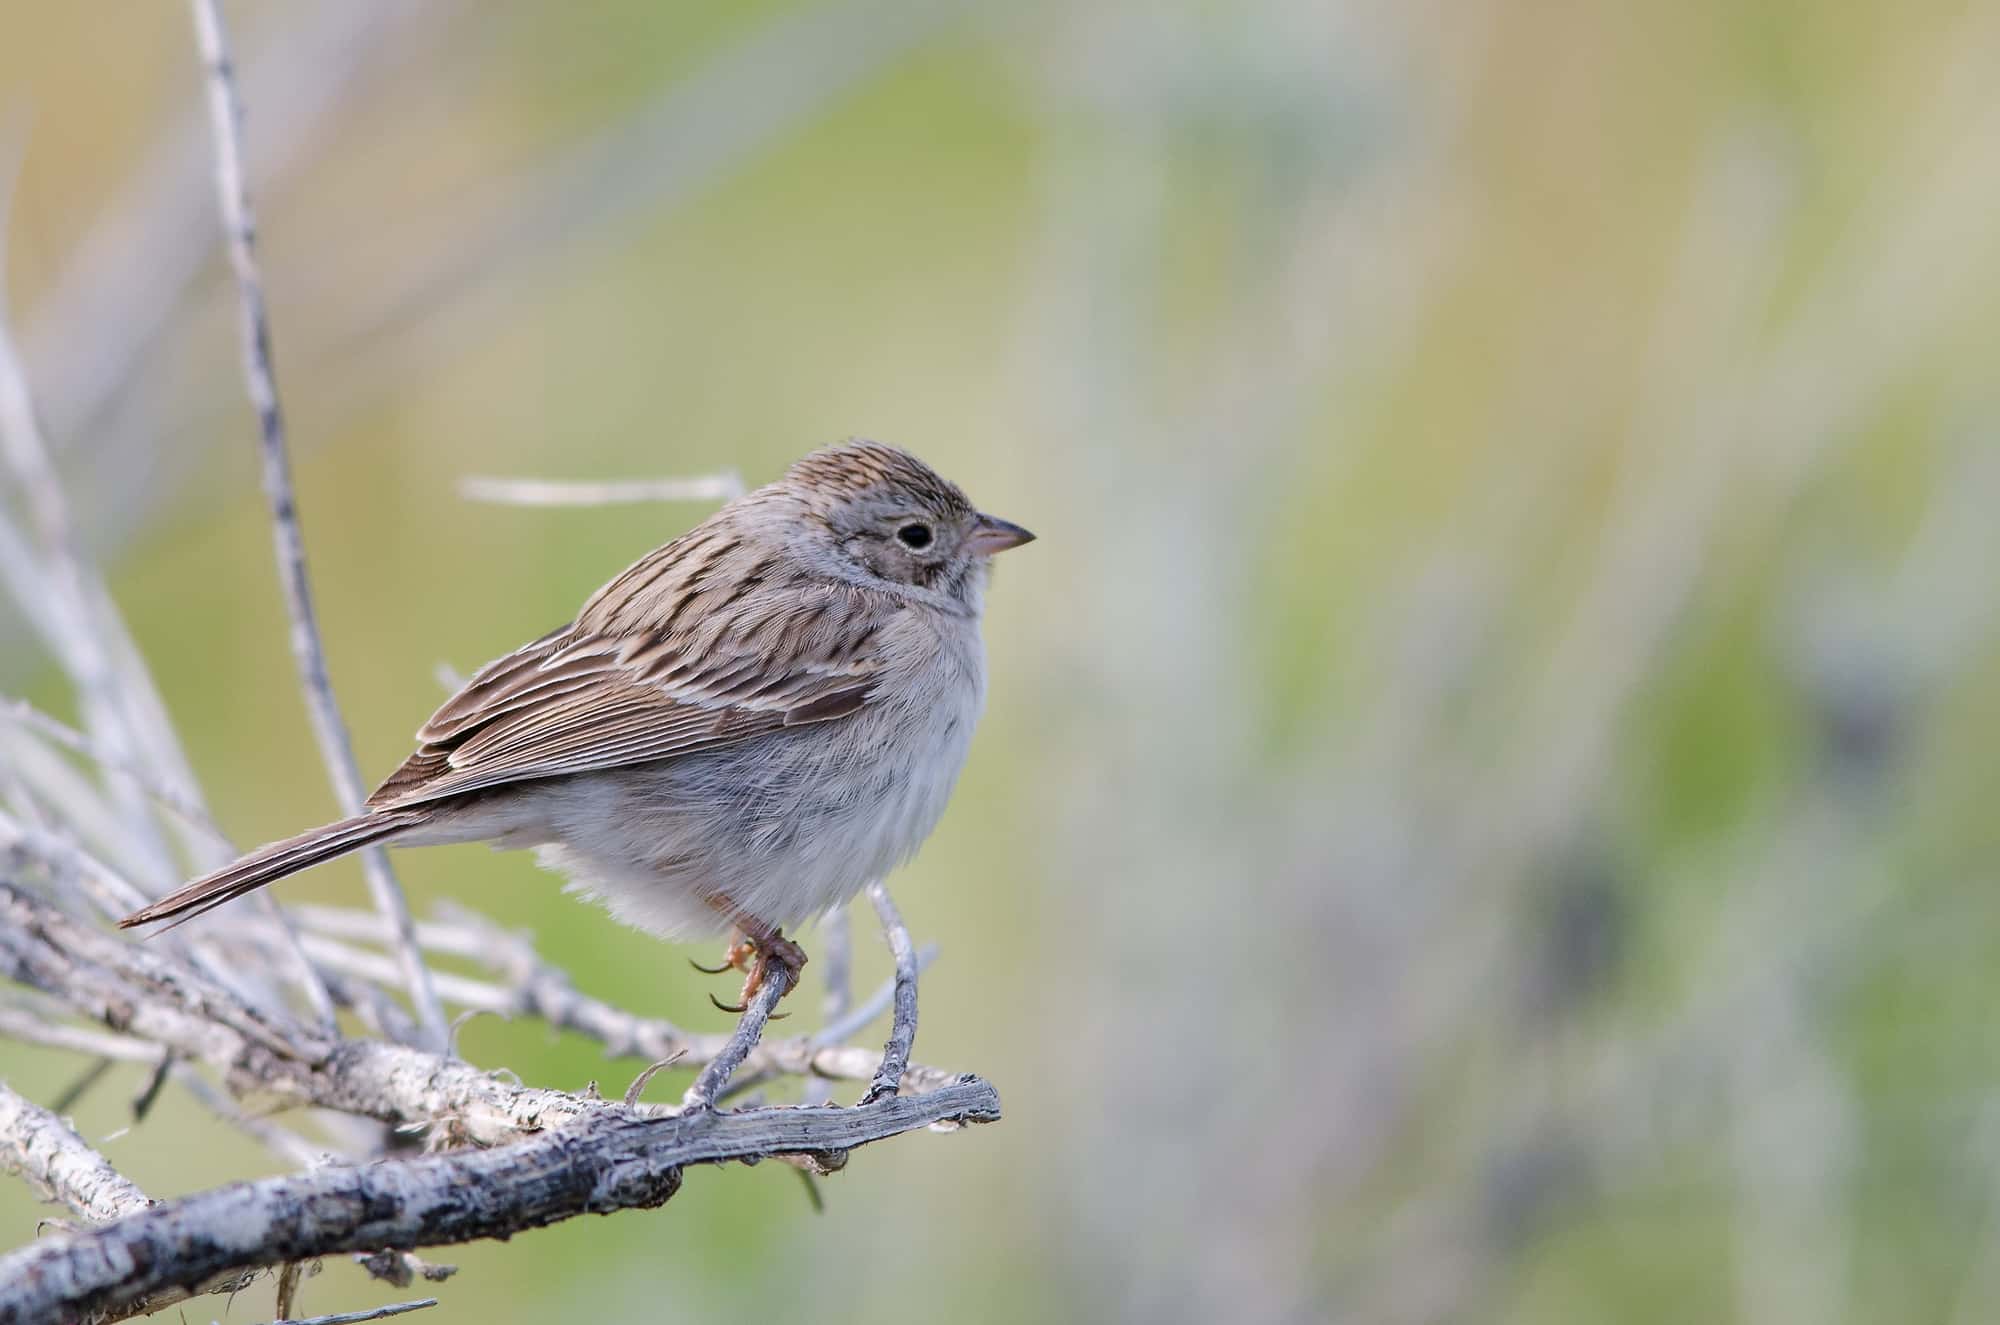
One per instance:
(914,535)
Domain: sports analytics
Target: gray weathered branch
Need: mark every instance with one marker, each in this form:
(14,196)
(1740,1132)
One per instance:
(260,375)
(535,988)
(609,1160)
(903,1028)
(59,1165)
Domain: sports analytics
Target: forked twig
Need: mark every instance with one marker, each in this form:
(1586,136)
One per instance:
(233,195)
(903,1029)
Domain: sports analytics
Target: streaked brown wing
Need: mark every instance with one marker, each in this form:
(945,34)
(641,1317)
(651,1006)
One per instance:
(574,702)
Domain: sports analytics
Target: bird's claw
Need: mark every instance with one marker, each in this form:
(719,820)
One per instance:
(755,957)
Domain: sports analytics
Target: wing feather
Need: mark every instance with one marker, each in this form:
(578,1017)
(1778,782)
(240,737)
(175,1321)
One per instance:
(591,696)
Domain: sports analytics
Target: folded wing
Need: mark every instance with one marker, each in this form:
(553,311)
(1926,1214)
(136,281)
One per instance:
(592,696)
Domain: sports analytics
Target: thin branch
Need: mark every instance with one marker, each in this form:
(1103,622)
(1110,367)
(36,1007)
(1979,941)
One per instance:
(59,1165)
(153,996)
(725,486)
(609,1161)
(356,1317)
(903,1031)
(836,958)
(871,1007)
(232,190)
(280,1141)
(749,1030)
(78,641)
(24,714)
(20,1024)
(536,988)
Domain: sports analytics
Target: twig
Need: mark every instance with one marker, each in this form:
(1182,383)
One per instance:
(225,119)
(609,1161)
(836,955)
(21,712)
(903,1031)
(535,988)
(153,996)
(77,1089)
(57,1163)
(871,1007)
(749,1030)
(288,1287)
(280,1141)
(61,1166)
(17,1024)
(726,486)
(356,1317)
(108,1047)
(77,639)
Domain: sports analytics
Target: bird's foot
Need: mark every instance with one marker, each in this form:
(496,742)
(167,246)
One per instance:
(756,955)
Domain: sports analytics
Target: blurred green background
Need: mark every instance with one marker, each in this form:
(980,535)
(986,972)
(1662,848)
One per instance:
(1482,813)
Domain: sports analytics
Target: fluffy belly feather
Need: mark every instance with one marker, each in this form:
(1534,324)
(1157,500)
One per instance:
(782,828)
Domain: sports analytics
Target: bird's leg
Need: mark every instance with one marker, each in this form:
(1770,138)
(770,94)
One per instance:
(761,947)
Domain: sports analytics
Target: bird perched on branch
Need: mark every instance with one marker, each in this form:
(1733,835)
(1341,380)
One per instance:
(735,734)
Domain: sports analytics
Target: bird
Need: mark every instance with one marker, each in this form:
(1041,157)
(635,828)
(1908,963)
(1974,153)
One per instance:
(735,735)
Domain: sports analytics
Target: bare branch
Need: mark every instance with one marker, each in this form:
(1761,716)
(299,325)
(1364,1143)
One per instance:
(726,486)
(57,1163)
(18,1024)
(903,1032)
(749,1030)
(225,119)
(536,988)
(836,959)
(27,715)
(75,635)
(356,1317)
(145,994)
(871,1007)
(610,1160)
(60,1166)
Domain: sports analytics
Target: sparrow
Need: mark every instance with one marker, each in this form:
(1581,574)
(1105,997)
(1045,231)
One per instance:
(735,735)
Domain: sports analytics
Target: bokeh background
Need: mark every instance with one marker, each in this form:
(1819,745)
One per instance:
(1484,812)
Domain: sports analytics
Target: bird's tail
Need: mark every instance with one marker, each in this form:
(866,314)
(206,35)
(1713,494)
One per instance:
(269,863)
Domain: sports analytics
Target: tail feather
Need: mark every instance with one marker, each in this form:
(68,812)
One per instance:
(274,861)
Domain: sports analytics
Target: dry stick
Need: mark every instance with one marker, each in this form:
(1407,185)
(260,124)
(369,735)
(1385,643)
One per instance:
(836,954)
(903,1031)
(29,1028)
(609,1161)
(871,1007)
(749,1029)
(152,996)
(357,1317)
(24,714)
(726,486)
(77,643)
(536,988)
(59,1165)
(225,117)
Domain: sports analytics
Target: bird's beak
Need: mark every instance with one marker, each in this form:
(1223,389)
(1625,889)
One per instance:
(991,534)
